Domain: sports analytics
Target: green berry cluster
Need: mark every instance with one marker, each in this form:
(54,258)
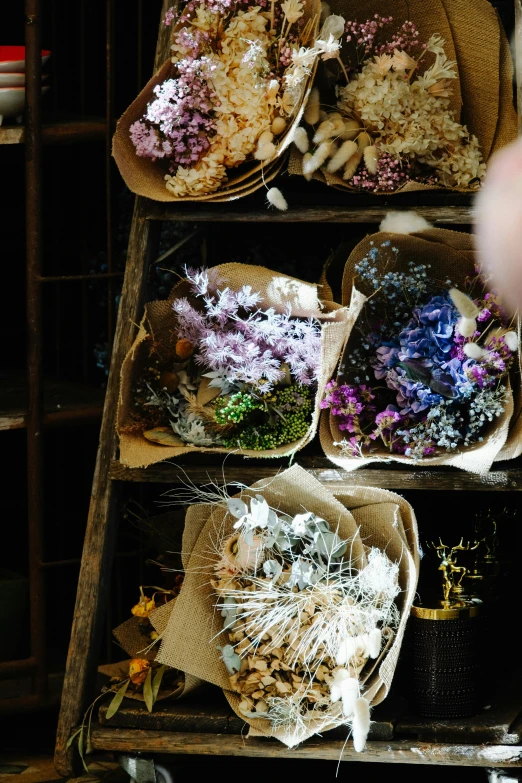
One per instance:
(286,418)
(235,408)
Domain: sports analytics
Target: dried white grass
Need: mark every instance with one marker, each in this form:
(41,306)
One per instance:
(313,108)
(342,156)
(331,127)
(278,126)
(464,303)
(318,158)
(351,130)
(404,223)
(474,351)
(371,159)
(265,138)
(265,152)
(307,174)
(361,723)
(352,165)
(276,198)
(301,140)
(511,339)
(466,327)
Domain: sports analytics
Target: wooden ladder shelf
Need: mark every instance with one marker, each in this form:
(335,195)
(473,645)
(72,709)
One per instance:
(210,728)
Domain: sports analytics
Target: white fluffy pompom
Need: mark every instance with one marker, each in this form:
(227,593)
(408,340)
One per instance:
(318,158)
(332,126)
(371,159)
(351,129)
(342,156)
(265,138)
(346,650)
(374,642)
(464,304)
(349,695)
(403,223)
(466,327)
(278,125)
(307,157)
(300,140)
(311,113)
(265,152)
(276,198)
(473,351)
(361,723)
(351,166)
(511,339)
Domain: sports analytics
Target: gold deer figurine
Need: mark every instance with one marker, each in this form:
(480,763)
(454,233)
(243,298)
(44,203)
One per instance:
(452,574)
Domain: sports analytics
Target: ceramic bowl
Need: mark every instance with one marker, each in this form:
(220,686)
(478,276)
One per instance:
(12,58)
(12,101)
(15,79)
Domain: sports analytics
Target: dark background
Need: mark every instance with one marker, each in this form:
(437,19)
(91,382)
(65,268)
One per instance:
(77,332)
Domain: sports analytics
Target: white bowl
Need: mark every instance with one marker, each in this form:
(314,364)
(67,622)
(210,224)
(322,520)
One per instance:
(15,79)
(12,58)
(12,101)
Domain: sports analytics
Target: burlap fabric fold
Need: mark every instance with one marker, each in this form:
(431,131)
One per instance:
(371,517)
(159,322)
(482,93)
(451,255)
(146,177)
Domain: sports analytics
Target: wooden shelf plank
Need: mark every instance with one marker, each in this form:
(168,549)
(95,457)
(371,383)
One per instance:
(388,751)
(64,402)
(236,212)
(57,133)
(506,477)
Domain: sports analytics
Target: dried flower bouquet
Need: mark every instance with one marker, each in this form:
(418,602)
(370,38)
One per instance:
(235,84)
(429,368)
(394,122)
(308,597)
(226,366)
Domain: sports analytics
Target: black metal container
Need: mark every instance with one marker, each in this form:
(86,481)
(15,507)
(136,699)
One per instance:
(446,660)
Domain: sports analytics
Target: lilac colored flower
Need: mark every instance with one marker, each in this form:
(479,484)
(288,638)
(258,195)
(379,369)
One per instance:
(484,315)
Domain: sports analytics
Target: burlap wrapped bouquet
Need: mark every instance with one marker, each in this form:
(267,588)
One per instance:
(215,121)
(405,362)
(276,694)
(460,112)
(279,297)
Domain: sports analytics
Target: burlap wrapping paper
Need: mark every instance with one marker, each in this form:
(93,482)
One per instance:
(135,644)
(147,178)
(452,256)
(483,91)
(371,517)
(278,291)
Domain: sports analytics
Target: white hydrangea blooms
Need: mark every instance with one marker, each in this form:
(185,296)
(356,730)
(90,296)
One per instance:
(411,117)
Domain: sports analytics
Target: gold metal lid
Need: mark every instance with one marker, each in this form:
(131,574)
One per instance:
(456,611)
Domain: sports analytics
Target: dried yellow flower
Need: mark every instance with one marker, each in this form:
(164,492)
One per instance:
(138,669)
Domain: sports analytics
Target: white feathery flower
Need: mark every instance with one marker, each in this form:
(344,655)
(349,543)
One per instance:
(304,57)
(328,48)
(293,10)
(402,61)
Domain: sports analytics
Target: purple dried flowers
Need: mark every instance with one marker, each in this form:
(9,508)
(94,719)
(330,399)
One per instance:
(428,394)
(178,124)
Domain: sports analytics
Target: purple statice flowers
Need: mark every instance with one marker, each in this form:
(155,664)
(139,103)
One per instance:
(427,393)
(238,344)
(178,124)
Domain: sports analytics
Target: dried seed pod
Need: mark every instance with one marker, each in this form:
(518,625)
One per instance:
(300,139)
(371,159)
(342,156)
(364,140)
(169,381)
(265,152)
(265,138)
(312,110)
(466,327)
(278,126)
(351,166)
(184,348)
(464,304)
(352,128)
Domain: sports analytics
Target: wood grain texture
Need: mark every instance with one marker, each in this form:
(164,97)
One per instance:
(209,713)
(445,215)
(101,526)
(506,478)
(388,752)
(58,133)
